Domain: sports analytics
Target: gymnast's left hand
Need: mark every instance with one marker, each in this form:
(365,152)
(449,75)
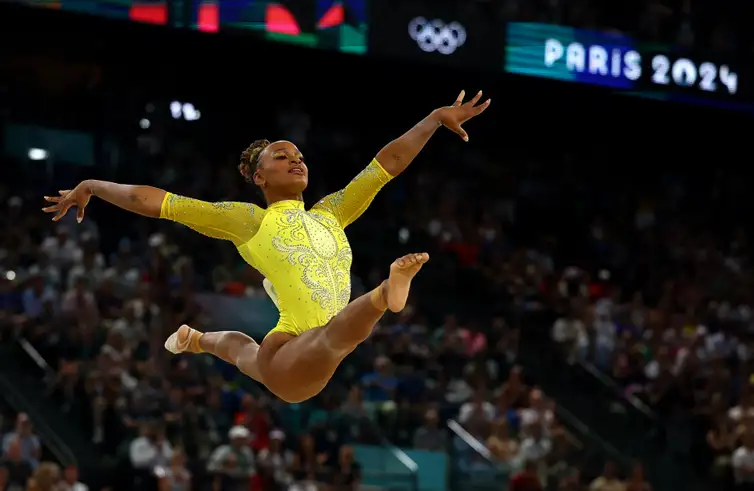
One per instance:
(452,117)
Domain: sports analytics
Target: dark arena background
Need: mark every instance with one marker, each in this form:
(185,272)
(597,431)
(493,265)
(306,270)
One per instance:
(586,319)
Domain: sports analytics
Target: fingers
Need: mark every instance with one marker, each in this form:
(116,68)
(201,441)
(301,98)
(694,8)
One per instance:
(459,99)
(80,214)
(53,199)
(482,107)
(62,212)
(60,209)
(474,100)
(460,132)
(64,192)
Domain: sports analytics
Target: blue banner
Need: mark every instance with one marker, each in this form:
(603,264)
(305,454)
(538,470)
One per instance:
(620,62)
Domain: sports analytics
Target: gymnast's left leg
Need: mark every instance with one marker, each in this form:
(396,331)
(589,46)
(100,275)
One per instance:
(296,368)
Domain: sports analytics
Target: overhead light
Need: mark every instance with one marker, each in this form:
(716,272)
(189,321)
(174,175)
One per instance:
(37,154)
(144,124)
(185,111)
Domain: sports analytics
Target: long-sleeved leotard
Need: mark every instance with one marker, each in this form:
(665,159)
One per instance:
(305,254)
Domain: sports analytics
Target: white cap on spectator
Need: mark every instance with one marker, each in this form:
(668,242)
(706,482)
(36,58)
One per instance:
(156,240)
(239,432)
(277,435)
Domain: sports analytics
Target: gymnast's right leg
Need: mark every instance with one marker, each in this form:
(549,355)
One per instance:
(233,347)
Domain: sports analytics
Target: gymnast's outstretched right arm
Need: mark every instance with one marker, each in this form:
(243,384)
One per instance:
(237,222)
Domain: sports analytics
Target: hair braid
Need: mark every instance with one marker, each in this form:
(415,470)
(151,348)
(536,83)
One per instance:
(250,159)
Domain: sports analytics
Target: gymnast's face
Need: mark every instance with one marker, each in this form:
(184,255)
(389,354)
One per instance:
(282,169)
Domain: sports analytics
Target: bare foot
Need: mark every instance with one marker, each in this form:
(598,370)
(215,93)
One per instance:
(402,271)
(184,340)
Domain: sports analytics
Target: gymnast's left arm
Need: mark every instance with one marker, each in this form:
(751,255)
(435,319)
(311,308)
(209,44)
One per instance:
(349,203)
(399,153)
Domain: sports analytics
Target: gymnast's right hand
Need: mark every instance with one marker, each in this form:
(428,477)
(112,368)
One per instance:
(78,197)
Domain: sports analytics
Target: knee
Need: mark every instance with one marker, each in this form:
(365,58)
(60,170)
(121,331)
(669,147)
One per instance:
(291,398)
(294,395)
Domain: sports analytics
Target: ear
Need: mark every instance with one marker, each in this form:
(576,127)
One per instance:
(259,180)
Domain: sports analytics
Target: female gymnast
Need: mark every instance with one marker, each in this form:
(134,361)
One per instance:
(304,255)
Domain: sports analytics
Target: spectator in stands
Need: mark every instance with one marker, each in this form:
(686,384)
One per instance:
(538,412)
(429,436)
(570,334)
(233,464)
(4,484)
(380,385)
(70,481)
(609,480)
(175,477)
(501,445)
(151,449)
(308,461)
(38,296)
(636,481)
(743,462)
(45,478)
(346,475)
(527,479)
(535,447)
(275,461)
(721,440)
(23,433)
(477,412)
(19,471)
(571,481)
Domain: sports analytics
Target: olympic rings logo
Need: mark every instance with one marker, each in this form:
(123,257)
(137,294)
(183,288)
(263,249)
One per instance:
(435,35)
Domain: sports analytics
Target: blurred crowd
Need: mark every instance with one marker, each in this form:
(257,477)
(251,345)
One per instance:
(644,278)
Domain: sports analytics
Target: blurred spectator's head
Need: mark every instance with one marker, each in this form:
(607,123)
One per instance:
(23,425)
(382,365)
(306,443)
(154,431)
(431,418)
(355,395)
(277,437)
(345,455)
(239,436)
(248,402)
(71,474)
(46,477)
(500,429)
(536,399)
(514,378)
(178,460)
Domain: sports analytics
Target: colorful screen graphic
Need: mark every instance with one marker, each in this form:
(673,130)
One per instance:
(329,24)
(622,63)
(147,11)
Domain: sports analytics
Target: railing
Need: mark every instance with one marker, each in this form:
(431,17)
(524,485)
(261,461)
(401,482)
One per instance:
(54,443)
(472,466)
(612,386)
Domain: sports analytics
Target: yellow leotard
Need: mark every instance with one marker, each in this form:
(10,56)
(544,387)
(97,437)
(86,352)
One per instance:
(305,254)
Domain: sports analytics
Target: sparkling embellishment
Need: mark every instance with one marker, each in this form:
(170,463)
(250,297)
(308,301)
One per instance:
(307,251)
